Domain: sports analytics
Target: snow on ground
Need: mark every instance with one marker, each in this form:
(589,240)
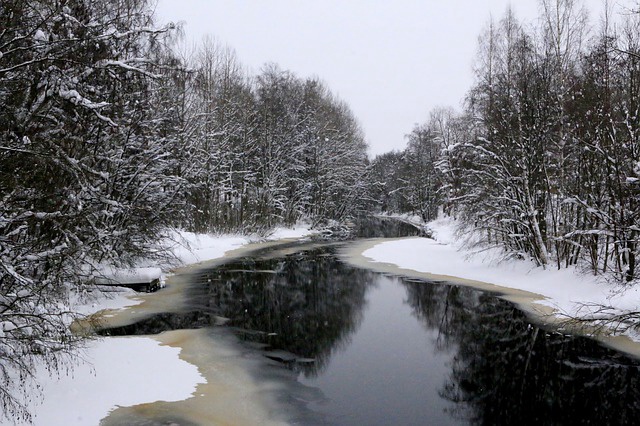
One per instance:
(193,248)
(132,370)
(120,371)
(189,248)
(112,298)
(299,231)
(111,275)
(567,291)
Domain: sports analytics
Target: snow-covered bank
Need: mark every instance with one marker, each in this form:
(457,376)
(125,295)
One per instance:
(188,248)
(567,292)
(121,372)
(117,372)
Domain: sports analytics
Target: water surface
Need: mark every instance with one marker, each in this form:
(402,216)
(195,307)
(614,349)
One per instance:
(349,346)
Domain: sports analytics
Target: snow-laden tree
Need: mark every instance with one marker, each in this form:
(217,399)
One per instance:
(386,180)
(605,113)
(546,163)
(267,150)
(221,114)
(279,138)
(453,131)
(509,198)
(86,176)
(335,155)
(312,152)
(424,177)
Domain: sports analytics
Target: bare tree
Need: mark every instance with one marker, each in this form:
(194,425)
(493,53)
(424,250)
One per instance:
(84,176)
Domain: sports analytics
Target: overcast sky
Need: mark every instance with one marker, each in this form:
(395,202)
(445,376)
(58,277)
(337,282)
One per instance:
(392,61)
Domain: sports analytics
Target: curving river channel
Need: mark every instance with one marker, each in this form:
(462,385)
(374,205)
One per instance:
(319,341)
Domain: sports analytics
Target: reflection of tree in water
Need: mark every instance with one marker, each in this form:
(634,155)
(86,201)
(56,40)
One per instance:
(159,323)
(507,371)
(374,227)
(305,304)
(440,307)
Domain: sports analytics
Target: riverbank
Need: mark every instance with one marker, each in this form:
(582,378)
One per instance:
(566,297)
(121,372)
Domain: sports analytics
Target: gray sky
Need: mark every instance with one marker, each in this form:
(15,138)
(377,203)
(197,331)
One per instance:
(392,61)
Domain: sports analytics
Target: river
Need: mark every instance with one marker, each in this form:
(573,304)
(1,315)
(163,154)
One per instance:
(324,342)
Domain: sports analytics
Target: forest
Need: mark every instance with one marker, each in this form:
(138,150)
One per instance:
(544,161)
(113,133)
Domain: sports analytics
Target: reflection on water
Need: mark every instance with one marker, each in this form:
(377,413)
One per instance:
(304,307)
(508,371)
(299,309)
(386,350)
(390,373)
(377,227)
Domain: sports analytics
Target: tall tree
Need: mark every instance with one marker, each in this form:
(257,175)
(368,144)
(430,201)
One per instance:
(83,177)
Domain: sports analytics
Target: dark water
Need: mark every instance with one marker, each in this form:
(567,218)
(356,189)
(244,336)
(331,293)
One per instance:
(391,351)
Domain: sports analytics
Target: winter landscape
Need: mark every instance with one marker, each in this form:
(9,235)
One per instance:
(188,240)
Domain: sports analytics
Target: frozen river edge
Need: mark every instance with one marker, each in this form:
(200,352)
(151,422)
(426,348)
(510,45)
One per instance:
(117,372)
(552,297)
(141,372)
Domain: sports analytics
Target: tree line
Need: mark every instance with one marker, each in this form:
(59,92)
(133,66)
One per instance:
(264,150)
(111,135)
(544,161)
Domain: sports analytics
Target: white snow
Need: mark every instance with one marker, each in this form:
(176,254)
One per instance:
(119,372)
(193,248)
(568,291)
(112,298)
(128,276)
(40,36)
(299,231)
(132,370)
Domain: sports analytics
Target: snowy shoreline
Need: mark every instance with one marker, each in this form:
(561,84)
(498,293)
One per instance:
(127,371)
(124,372)
(551,295)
